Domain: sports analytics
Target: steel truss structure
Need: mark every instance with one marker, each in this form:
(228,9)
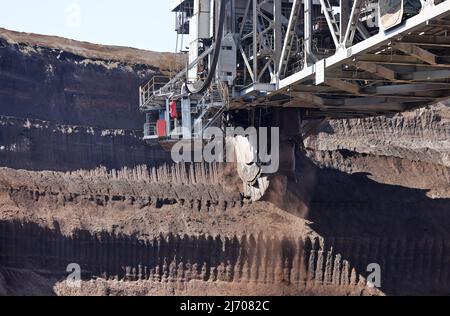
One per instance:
(334,58)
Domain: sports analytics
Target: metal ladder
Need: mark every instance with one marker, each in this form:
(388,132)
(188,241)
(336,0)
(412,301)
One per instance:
(289,39)
(354,18)
(219,92)
(330,13)
(212,113)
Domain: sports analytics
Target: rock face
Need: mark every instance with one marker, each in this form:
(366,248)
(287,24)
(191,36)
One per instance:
(43,145)
(373,190)
(411,150)
(382,176)
(67,105)
(421,135)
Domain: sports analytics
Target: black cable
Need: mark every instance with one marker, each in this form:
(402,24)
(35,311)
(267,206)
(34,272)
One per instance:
(207,83)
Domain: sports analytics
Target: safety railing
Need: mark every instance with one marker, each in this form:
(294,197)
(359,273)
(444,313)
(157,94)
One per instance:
(149,90)
(150,131)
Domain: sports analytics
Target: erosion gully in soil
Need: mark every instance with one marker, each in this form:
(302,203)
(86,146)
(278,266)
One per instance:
(77,185)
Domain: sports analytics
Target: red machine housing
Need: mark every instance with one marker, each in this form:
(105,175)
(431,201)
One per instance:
(173,110)
(161,128)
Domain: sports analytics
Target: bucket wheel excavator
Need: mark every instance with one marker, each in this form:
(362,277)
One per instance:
(288,66)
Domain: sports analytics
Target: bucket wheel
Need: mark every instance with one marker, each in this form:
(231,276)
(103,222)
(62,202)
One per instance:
(255,184)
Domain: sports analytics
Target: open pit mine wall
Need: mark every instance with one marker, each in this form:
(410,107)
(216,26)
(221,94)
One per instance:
(420,135)
(197,187)
(414,264)
(67,105)
(61,110)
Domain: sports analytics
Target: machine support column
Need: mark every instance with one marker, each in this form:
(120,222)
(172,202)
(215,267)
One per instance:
(255,41)
(346,7)
(186,118)
(167,117)
(309,58)
(278,35)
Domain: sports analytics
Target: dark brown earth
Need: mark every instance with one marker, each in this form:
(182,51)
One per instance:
(66,105)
